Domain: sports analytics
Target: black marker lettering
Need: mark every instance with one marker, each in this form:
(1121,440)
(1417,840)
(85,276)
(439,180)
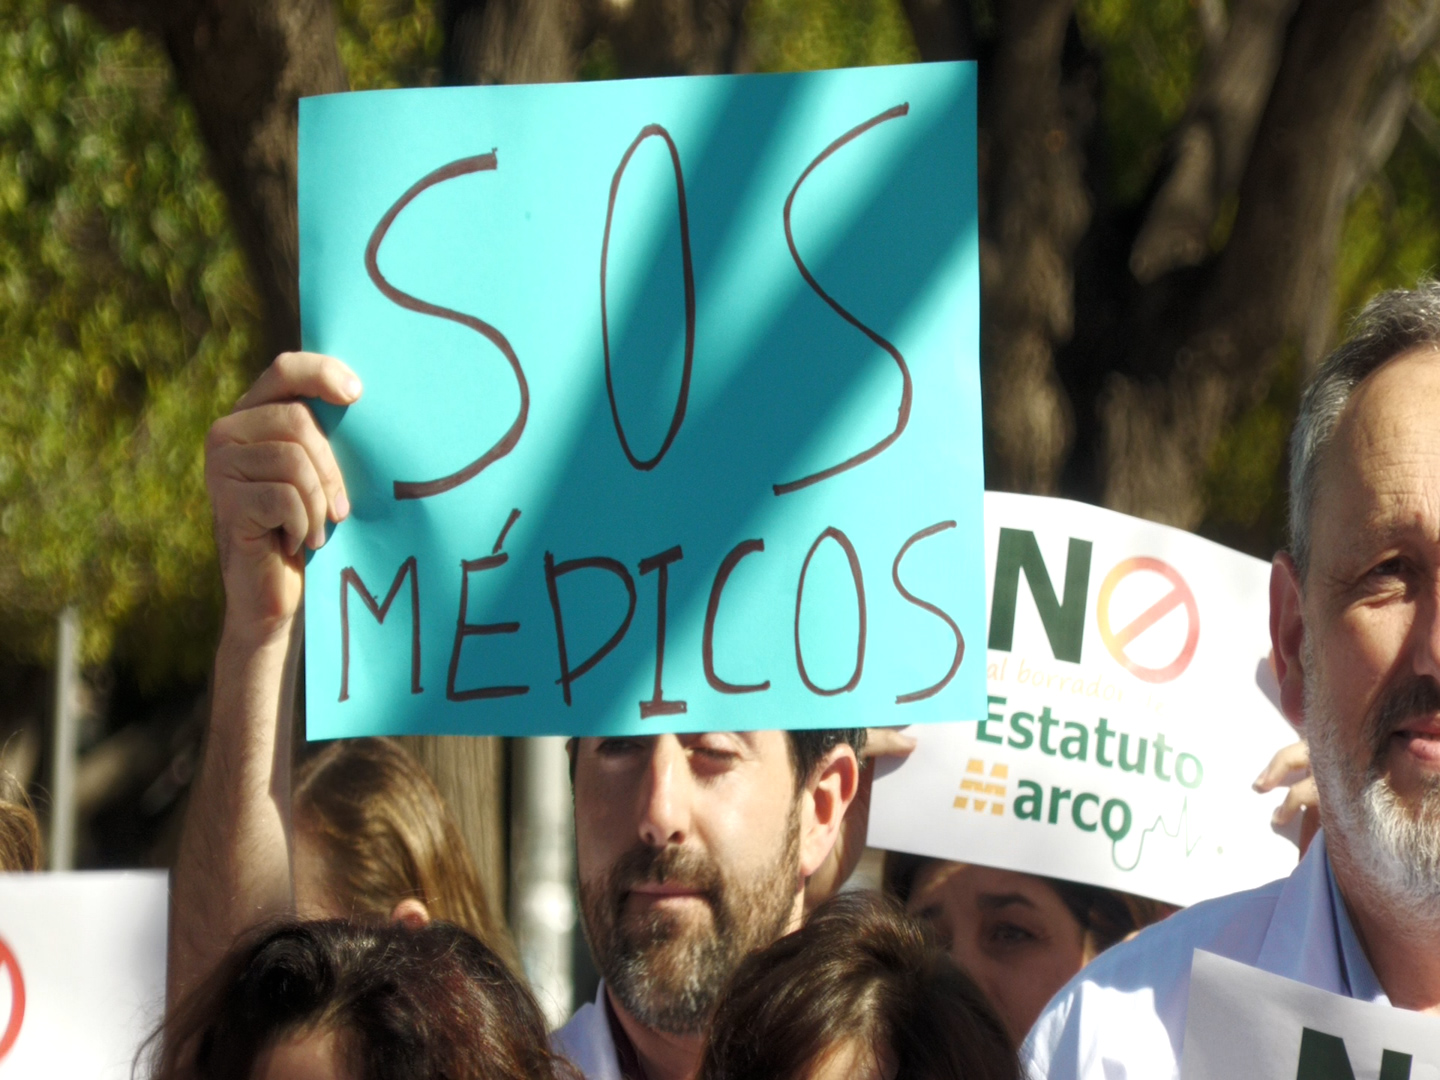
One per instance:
(687,270)
(553,573)
(405,489)
(657,705)
(906,388)
(348,579)
(929,691)
(465,630)
(707,645)
(840,538)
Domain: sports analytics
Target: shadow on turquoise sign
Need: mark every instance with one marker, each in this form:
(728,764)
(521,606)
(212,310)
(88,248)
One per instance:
(671,416)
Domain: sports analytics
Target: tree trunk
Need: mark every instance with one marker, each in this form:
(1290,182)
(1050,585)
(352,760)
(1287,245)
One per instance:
(509,41)
(1162,420)
(244,64)
(1210,148)
(1034,211)
(1117,344)
(671,37)
(943,29)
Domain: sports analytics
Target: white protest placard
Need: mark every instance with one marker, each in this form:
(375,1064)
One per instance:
(1244,1022)
(83,981)
(1131,705)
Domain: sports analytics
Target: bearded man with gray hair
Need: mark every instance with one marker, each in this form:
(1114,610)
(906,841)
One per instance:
(1355,624)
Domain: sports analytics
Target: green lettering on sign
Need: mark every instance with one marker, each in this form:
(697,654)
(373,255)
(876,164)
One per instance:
(1064,622)
(1323,1057)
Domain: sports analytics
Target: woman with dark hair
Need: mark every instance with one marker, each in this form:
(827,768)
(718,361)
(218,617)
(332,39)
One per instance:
(373,831)
(1020,936)
(338,1000)
(859,993)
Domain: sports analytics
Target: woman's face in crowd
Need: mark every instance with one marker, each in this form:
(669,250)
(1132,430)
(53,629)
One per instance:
(1011,932)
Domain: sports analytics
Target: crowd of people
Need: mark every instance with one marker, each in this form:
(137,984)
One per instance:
(326,922)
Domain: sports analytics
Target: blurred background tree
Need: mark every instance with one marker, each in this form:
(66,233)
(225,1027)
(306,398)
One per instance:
(1181,202)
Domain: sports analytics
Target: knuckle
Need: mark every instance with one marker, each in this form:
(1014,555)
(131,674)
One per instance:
(218,437)
(308,485)
(268,502)
(289,456)
(296,416)
(329,469)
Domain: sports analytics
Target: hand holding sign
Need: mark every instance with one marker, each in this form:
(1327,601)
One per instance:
(274,485)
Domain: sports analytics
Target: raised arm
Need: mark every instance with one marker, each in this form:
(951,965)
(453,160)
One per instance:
(273,484)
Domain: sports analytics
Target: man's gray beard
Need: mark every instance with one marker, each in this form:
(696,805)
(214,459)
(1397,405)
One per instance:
(1395,849)
(670,979)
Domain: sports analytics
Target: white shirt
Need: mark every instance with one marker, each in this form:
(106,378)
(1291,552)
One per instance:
(1123,1016)
(585,1040)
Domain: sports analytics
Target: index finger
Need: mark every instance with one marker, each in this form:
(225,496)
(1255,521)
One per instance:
(300,375)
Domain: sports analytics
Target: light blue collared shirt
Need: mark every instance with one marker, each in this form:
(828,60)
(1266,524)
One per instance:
(1358,975)
(1123,1016)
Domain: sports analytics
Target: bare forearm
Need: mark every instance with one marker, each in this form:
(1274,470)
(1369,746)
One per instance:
(233,869)
(274,486)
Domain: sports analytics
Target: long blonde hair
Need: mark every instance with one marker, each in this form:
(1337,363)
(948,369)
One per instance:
(386,834)
(19,831)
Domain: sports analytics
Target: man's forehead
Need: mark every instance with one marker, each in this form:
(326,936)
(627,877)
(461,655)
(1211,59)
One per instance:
(1381,471)
(760,743)
(1395,399)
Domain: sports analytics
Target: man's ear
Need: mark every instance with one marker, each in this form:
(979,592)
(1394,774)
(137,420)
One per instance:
(825,798)
(1287,637)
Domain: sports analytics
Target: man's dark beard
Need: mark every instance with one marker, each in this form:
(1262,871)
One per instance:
(667,973)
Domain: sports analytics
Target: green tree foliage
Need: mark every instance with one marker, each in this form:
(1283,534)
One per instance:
(127,323)
(807,35)
(126,326)
(1151,52)
(386,44)
(1392,233)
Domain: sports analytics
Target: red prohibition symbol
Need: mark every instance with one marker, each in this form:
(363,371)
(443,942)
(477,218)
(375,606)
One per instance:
(1117,640)
(17,999)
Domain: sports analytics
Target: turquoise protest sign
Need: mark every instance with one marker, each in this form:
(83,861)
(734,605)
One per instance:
(671,416)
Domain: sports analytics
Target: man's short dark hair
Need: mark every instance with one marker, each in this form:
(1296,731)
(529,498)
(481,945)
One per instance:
(808,747)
